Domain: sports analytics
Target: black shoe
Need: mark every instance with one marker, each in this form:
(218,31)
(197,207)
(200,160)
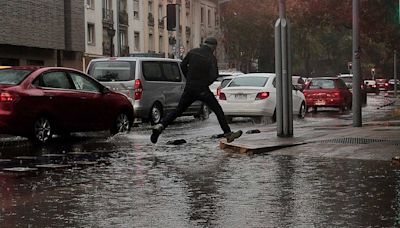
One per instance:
(233,135)
(157,129)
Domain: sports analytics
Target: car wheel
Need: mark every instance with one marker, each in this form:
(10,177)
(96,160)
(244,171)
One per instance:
(122,124)
(302,111)
(156,114)
(203,113)
(42,130)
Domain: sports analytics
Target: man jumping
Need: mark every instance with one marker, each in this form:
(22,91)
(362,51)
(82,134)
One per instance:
(200,69)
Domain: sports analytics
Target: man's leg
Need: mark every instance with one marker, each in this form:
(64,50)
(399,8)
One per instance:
(186,100)
(208,97)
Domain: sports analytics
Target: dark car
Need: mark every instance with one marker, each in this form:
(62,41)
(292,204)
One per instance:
(327,92)
(382,84)
(370,86)
(40,102)
(348,79)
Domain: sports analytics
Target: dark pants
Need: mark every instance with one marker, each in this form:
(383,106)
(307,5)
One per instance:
(192,94)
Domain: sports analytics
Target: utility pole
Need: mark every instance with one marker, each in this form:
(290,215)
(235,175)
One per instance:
(357,116)
(395,73)
(284,110)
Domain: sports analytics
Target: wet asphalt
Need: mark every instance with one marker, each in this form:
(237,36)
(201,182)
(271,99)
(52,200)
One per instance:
(125,181)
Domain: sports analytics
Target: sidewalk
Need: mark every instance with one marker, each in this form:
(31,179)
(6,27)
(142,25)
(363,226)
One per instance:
(378,140)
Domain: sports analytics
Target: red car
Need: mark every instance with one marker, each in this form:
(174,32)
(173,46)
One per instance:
(327,92)
(38,102)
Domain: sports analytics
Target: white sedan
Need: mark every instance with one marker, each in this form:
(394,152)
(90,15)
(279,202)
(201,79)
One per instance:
(254,95)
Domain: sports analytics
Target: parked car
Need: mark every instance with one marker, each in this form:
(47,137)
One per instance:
(382,84)
(327,92)
(40,102)
(391,84)
(223,74)
(254,95)
(155,85)
(370,86)
(348,79)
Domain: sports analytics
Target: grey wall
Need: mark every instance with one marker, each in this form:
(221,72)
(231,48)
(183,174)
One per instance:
(52,24)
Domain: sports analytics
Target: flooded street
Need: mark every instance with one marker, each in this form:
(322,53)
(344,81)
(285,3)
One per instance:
(133,183)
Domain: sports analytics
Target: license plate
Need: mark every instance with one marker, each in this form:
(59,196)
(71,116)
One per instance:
(240,96)
(320,102)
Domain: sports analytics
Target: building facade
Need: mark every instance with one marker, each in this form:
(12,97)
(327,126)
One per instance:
(42,32)
(123,27)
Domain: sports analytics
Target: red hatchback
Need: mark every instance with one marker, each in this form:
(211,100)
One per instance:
(39,102)
(328,92)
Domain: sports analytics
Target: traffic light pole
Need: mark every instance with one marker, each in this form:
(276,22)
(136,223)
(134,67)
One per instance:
(357,117)
(178,35)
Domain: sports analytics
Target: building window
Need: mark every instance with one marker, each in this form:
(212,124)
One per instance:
(151,43)
(150,6)
(160,12)
(136,9)
(137,41)
(202,15)
(209,18)
(161,44)
(90,34)
(90,4)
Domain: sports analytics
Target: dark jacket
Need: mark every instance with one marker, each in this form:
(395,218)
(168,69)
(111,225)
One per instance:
(200,67)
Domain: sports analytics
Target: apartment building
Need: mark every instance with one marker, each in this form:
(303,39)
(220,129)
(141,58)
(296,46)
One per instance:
(122,27)
(42,32)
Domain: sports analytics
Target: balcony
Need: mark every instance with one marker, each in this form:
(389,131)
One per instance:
(150,19)
(108,16)
(123,18)
(161,24)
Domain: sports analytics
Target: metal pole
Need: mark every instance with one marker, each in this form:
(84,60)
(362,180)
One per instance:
(177,29)
(282,9)
(357,117)
(118,35)
(278,68)
(395,74)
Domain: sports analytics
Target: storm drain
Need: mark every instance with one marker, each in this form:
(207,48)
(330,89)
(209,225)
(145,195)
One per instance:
(360,141)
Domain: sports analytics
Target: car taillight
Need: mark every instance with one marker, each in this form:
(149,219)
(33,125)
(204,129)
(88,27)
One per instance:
(222,96)
(333,95)
(138,89)
(262,95)
(7,97)
(218,91)
(386,84)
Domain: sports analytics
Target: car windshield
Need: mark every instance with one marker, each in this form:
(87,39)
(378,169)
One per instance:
(249,81)
(322,84)
(112,71)
(12,76)
(347,79)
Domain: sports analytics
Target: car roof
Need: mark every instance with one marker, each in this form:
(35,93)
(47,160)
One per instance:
(256,75)
(326,78)
(135,59)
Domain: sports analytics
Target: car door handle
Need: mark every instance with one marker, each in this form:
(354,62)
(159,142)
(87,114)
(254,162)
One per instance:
(83,98)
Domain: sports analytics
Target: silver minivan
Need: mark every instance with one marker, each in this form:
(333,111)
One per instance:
(155,85)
